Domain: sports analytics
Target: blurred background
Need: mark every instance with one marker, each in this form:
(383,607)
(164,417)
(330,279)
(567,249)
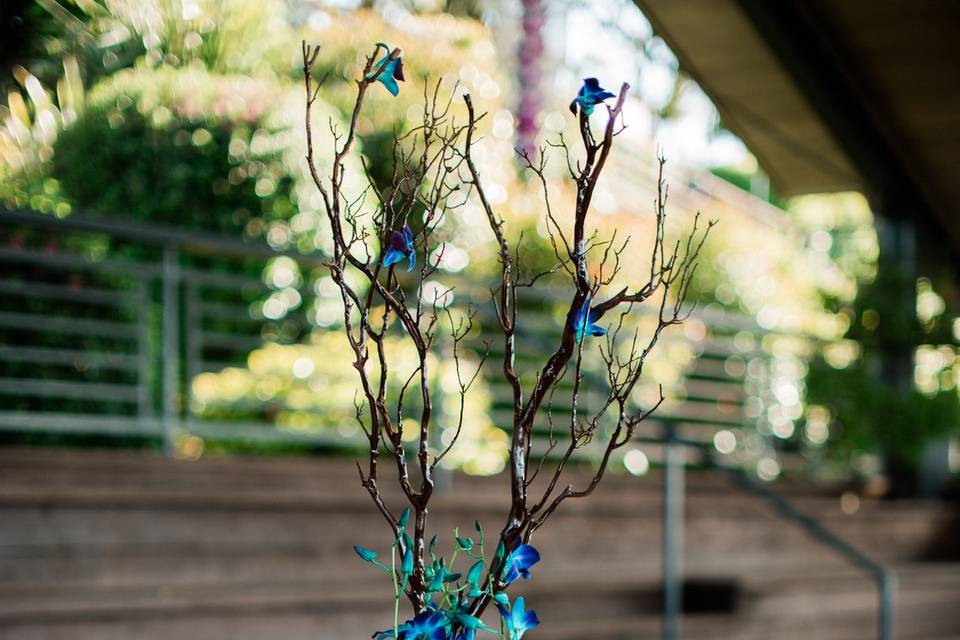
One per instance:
(176,398)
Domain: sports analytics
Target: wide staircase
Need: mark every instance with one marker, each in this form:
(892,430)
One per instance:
(111,545)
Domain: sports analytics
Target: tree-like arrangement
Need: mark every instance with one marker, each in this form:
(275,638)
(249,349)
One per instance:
(434,173)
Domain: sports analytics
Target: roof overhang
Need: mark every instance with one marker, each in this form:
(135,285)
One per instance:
(833,96)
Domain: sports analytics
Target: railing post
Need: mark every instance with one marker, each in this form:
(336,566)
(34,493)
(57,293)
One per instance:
(145,408)
(886,586)
(673,507)
(170,356)
(886,583)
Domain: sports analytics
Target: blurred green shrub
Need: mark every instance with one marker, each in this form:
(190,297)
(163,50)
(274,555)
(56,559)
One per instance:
(871,412)
(178,147)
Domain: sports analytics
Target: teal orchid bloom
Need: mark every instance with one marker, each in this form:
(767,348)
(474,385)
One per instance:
(590,95)
(370,556)
(406,565)
(389,70)
(519,563)
(438,575)
(449,613)
(365,554)
(404,517)
(401,247)
(431,624)
(517,620)
(469,625)
(584,322)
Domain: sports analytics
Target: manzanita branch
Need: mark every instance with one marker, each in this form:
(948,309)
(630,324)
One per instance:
(433,172)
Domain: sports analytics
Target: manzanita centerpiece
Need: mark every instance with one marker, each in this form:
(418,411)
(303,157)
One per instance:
(433,174)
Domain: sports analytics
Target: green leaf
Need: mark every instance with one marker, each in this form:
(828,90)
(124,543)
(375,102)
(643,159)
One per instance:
(473,576)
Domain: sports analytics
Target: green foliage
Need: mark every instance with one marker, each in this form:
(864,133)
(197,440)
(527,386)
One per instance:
(175,147)
(874,414)
(743,179)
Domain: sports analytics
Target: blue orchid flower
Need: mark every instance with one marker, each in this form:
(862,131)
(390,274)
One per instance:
(401,246)
(519,563)
(517,620)
(430,624)
(389,70)
(584,322)
(590,95)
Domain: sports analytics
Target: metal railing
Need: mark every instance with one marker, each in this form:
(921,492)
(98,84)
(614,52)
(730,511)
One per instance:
(119,318)
(104,327)
(673,526)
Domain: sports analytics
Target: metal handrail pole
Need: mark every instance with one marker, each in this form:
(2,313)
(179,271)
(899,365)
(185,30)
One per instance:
(673,512)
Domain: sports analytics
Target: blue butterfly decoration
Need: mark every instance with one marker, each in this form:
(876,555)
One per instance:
(590,95)
(401,246)
(389,71)
(584,322)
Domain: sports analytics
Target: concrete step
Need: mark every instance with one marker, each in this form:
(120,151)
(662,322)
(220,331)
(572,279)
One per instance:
(831,606)
(121,535)
(136,545)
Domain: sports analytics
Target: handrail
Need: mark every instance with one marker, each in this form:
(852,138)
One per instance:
(673,505)
(877,572)
(163,404)
(161,235)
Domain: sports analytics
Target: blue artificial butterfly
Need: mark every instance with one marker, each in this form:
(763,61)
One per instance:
(590,95)
(584,322)
(401,246)
(389,70)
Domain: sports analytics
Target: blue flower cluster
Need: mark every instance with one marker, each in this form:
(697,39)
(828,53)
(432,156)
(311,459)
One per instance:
(448,615)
